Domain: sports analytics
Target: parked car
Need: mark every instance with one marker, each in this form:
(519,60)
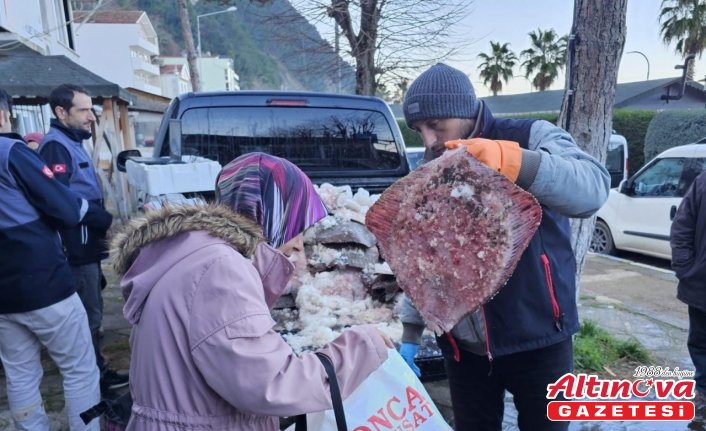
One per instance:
(415,156)
(638,215)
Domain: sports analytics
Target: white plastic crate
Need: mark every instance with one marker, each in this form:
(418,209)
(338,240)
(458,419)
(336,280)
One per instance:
(196,174)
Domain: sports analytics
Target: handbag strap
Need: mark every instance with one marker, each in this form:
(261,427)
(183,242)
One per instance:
(335,397)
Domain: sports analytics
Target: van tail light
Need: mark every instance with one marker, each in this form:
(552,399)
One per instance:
(287,102)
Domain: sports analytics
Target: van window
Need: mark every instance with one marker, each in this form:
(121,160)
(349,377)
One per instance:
(661,179)
(312,138)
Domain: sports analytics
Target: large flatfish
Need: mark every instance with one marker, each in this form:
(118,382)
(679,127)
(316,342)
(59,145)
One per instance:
(453,231)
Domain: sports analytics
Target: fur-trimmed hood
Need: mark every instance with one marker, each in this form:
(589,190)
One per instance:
(170,242)
(240,232)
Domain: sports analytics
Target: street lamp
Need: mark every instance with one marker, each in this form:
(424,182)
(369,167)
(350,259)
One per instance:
(198,24)
(648,62)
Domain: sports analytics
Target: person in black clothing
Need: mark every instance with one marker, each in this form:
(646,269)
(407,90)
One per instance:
(39,306)
(85,245)
(688,242)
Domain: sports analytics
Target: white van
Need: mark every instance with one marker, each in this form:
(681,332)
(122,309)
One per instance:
(638,215)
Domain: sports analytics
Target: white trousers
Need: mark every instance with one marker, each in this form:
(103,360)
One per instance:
(63,329)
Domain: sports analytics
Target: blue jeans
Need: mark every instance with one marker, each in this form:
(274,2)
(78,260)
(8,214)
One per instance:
(88,280)
(696,342)
(478,386)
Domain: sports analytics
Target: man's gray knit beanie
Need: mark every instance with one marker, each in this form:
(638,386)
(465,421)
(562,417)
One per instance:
(440,92)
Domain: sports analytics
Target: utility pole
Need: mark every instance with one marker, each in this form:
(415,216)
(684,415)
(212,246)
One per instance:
(338,58)
(189,43)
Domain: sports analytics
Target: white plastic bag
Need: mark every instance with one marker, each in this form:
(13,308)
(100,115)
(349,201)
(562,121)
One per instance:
(392,397)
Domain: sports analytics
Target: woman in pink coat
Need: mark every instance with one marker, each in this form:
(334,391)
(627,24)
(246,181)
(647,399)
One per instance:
(199,284)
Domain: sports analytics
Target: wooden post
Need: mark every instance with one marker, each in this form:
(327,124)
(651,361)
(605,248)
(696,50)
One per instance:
(126,128)
(118,178)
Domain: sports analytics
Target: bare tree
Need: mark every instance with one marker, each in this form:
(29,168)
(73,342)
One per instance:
(593,56)
(390,39)
(189,42)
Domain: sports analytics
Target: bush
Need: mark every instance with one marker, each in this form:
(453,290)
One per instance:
(672,128)
(632,124)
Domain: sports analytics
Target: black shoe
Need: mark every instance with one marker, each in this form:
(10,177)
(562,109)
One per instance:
(111,379)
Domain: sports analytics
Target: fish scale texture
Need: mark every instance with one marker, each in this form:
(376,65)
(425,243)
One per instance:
(453,231)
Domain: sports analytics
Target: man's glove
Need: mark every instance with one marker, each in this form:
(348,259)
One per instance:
(502,156)
(408,351)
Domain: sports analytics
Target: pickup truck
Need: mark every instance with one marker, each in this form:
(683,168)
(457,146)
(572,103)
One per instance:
(336,139)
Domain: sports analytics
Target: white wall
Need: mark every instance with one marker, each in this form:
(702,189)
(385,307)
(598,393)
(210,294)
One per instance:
(216,73)
(106,49)
(35,24)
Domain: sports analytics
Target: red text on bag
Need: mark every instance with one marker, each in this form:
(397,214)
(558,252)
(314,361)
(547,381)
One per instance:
(398,415)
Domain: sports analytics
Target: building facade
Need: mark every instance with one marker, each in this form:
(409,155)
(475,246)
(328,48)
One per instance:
(216,73)
(121,46)
(175,79)
(35,27)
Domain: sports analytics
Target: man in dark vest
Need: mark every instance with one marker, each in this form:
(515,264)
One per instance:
(39,306)
(85,245)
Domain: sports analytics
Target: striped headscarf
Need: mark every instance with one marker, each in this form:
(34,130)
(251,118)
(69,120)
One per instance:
(273,192)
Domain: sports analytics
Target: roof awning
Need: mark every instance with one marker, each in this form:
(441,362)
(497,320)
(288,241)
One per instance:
(29,79)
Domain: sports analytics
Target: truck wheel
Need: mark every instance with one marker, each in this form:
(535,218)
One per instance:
(602,240)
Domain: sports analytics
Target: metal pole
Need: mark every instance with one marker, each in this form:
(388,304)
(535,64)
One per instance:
(648,62)
(198,35)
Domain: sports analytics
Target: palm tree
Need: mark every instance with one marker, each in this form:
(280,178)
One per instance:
(684,22)
(545,58)
(497,66)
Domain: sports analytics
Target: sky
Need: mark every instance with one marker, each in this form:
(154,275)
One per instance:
(512,20)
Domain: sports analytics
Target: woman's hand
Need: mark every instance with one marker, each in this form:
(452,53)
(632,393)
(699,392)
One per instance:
(388,342)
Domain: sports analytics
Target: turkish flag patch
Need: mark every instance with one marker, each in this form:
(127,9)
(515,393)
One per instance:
(59,168)
(47,172)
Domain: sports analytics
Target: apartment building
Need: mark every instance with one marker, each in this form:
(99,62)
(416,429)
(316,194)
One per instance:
(216,73)
(121,46)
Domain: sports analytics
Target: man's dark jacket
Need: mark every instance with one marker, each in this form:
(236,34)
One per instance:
(688,241)
(63,152)
(34,272)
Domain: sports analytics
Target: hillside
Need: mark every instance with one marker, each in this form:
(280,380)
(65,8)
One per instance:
(268,51)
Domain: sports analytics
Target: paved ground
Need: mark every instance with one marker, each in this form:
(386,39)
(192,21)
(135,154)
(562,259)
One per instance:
(628,300)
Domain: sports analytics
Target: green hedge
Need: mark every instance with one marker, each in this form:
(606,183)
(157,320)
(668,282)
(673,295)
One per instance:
(672,128)
(631,123)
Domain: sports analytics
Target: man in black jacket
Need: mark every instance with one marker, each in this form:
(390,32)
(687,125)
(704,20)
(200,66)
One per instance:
(39,306)
(688,241)
(85,244)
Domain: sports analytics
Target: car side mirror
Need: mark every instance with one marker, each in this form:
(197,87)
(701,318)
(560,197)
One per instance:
(123,157)
(175,139)
(624,187)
